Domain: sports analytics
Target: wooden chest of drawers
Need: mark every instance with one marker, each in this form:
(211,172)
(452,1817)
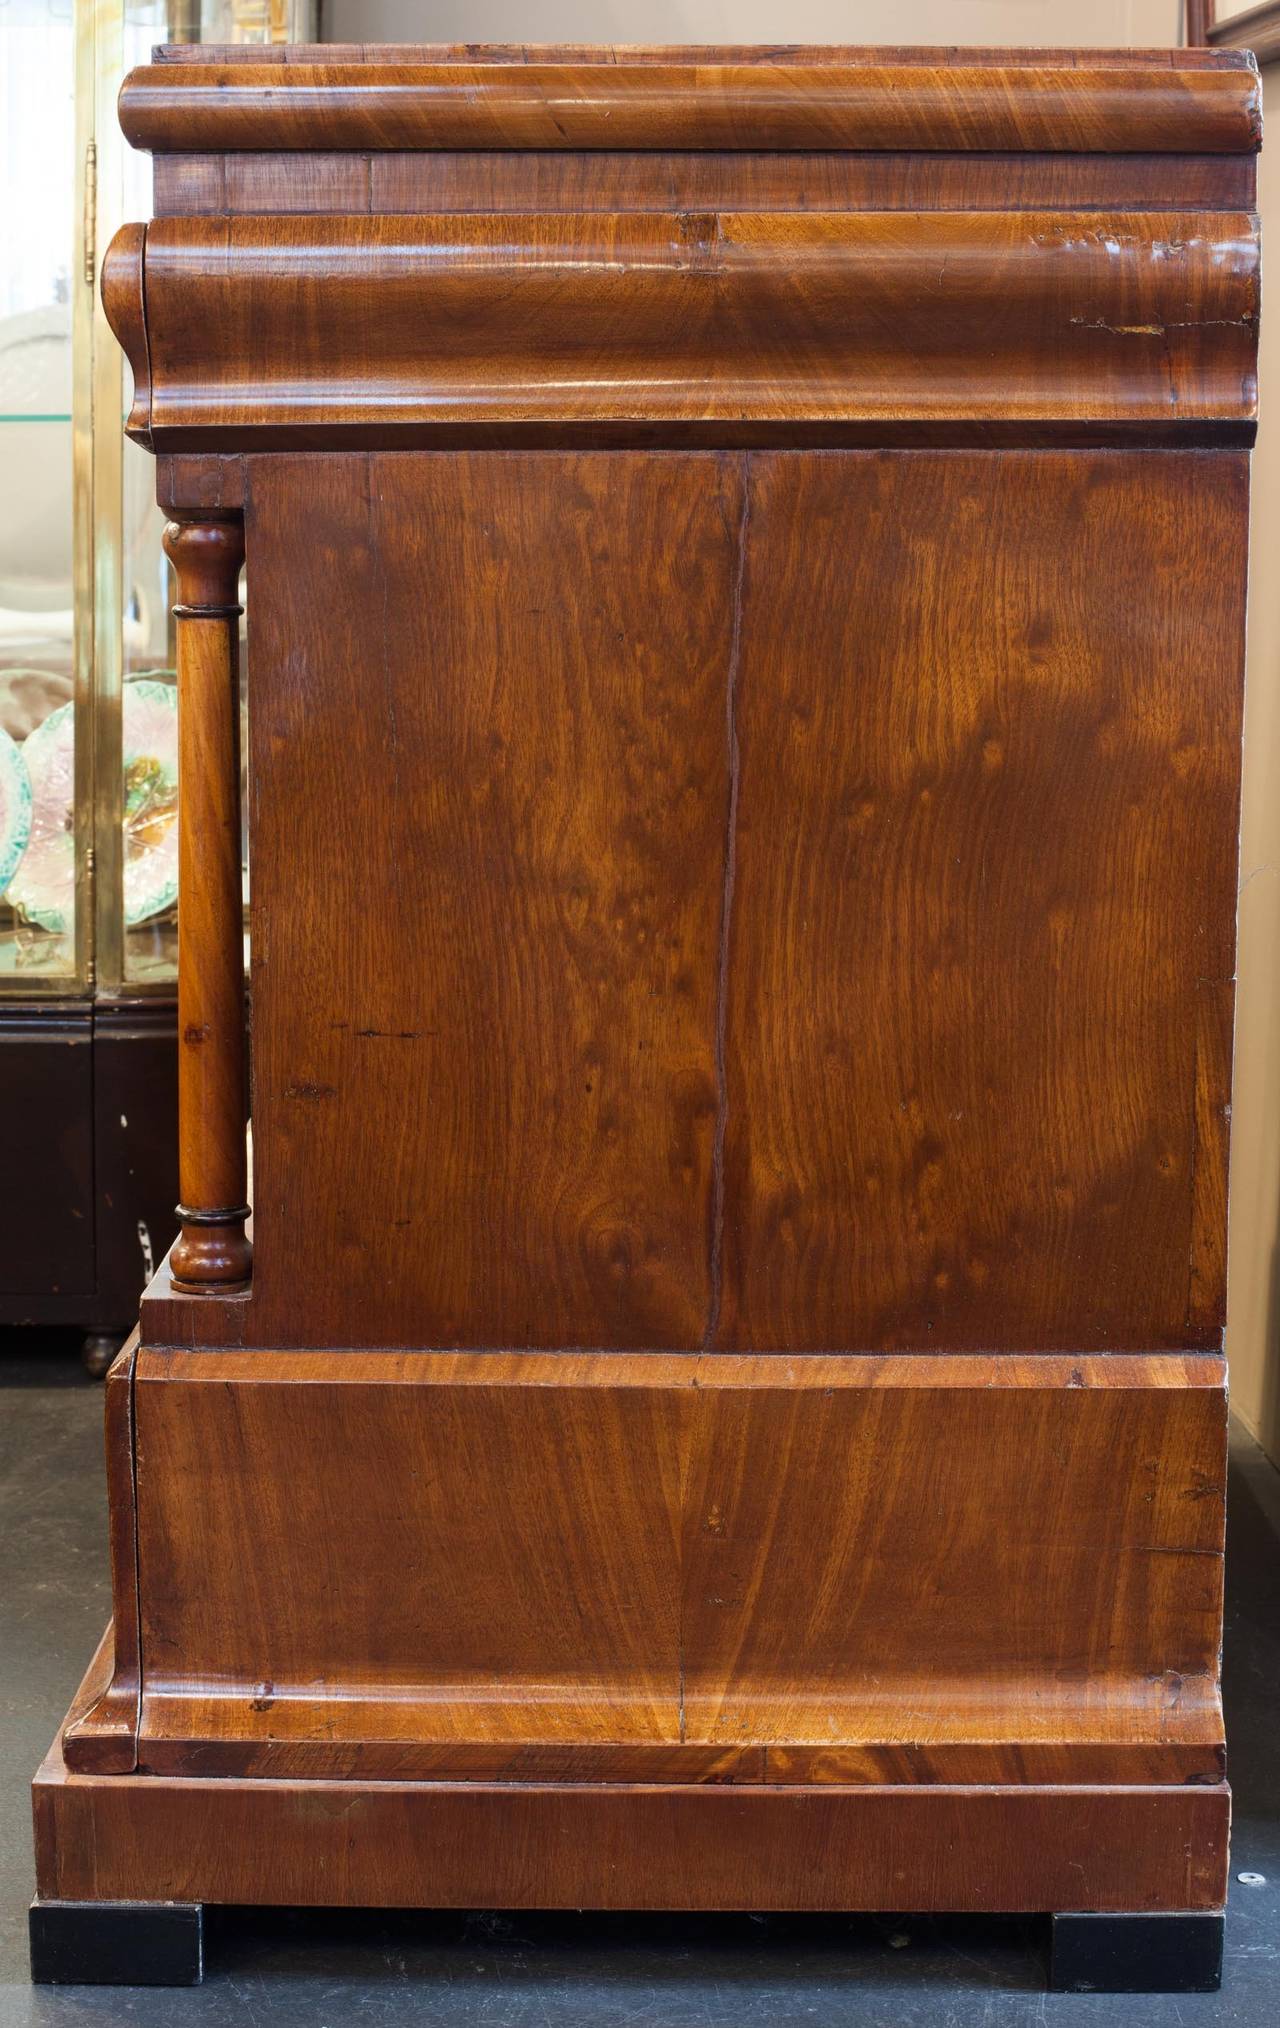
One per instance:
(745,556)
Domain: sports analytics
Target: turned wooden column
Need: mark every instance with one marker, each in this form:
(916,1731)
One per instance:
(212,1252)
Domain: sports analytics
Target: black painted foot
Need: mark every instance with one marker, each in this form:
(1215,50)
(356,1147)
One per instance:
(117,1943)
(1136,1954)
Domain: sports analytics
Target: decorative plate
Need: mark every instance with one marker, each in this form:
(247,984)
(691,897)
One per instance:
(44,887)
(150,798)
(15,807)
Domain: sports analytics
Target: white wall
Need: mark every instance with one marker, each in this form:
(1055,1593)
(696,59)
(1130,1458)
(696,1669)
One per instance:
(1002,23)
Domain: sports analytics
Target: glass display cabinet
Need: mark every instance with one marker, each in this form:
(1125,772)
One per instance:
(88,746)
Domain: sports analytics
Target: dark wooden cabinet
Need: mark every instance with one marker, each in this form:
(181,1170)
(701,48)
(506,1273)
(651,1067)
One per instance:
(725,1406)
(89,1094)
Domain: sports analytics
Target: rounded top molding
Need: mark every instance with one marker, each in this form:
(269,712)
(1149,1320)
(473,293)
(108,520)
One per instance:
(396,320)
(848,101)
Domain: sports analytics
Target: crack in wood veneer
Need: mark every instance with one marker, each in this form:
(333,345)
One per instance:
(716,1266)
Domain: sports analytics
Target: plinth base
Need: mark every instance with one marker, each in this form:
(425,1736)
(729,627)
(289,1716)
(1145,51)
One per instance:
(633,1632)
(124,1862)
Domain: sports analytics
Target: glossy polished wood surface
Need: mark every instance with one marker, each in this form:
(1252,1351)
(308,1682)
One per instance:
(979,978)
(486,178)
(499,1129)
(679,1601)
(746,631)
(102,1728)
(521,1845)
(211,1251)
(865,988)
(521,180)
(1143,322)
(864,105)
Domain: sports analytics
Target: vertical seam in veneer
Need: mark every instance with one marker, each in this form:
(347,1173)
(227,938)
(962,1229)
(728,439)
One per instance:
(1193,1156)
(373,500)
(716,1265)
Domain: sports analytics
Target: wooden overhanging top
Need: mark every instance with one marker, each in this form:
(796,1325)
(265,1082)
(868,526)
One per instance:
(745,319)
(339,98)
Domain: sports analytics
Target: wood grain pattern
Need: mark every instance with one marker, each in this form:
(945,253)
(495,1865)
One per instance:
(122,287)
(392,1845)
(978,883)
(211,1251)
(1215,1011)
(200,485)
(529,790)
(413,326)
(1191,1753)
(836,1569)
(520,180)
(865,105)
(747,562)
(1061,787)
(101,1735)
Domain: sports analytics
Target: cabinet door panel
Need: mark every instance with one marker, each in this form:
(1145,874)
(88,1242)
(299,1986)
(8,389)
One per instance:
(46,1163)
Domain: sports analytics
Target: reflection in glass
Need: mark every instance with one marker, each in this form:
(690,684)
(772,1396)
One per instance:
(109,631)
(37,731)
(150,926)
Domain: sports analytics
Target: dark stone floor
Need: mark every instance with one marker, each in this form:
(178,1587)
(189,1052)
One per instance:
(276,1970)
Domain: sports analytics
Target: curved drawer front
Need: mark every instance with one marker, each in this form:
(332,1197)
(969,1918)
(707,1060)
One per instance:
(279,332)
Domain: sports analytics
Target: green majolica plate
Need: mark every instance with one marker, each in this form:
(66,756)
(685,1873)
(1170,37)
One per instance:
(15,808)
(44,884)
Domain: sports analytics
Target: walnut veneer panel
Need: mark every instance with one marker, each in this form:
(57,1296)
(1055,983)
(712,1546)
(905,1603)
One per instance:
(979,981)
(518,1845)
(681,1568)
(519,180)
(102,1725)
(746,583)
(563,105)
(818,937)
(488,804)
(289,331)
